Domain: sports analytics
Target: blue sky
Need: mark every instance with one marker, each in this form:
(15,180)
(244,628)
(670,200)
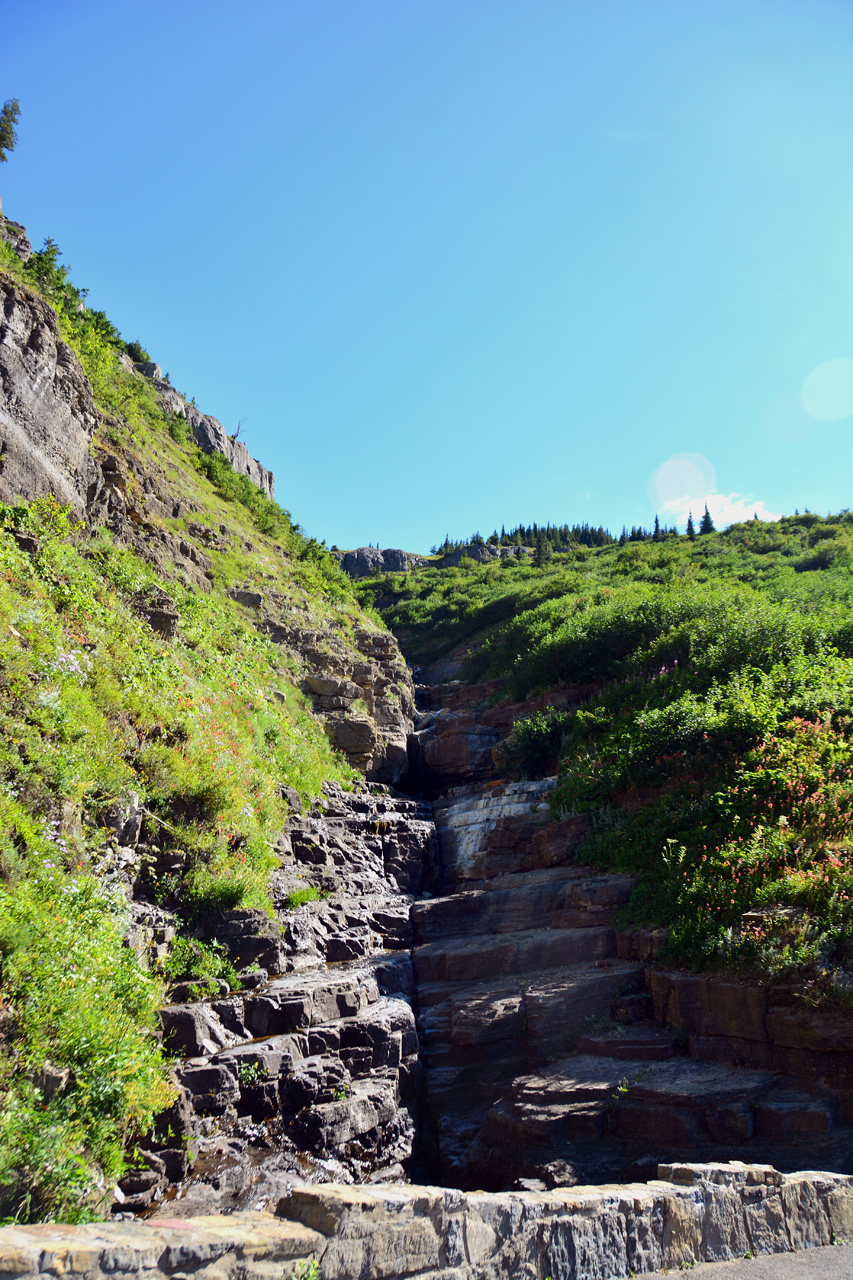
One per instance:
(467,262)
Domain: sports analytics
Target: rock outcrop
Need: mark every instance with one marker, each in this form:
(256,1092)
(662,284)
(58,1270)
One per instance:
(47,414)
(460,725)
(362,689)
(690,1213)
(547,1059)
(16,238)
(365,561)
(314,1066)
(208,432)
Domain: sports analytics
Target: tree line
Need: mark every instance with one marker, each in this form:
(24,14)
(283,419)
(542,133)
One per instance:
(561,537)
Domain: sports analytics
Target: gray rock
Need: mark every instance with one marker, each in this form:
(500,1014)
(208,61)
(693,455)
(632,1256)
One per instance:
(251,599)
(47,414)
(16,238)
(211,437)
(212,1087)
(194,1029)
(368,560)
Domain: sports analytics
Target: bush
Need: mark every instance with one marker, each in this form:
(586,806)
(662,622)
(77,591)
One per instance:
(189,959)
(137,353)
(532,748)
(86,1072)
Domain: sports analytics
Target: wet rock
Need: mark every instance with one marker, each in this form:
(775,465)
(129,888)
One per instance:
(193,1029)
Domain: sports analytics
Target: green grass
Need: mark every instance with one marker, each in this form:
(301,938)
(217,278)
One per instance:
(96,708)
(299,897)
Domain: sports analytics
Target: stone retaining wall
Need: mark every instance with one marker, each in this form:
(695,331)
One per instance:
(693,1213)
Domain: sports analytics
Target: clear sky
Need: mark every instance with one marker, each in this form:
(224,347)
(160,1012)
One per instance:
(458,263)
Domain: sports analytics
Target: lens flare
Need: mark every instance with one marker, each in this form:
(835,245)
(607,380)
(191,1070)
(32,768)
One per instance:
(683,473)
(827,393)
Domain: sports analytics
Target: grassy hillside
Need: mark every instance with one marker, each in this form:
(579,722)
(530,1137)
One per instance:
(711,751)
(100,715)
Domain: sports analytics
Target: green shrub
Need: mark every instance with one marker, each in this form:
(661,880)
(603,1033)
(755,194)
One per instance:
(82,1072)
(189,959)
(532,748)
(298,897)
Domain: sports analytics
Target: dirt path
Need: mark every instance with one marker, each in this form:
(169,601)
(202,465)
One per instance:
(835,1262)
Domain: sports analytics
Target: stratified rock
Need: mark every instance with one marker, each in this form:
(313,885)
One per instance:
(690,1213)
(47,414)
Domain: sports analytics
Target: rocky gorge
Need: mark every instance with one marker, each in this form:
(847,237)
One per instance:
(441,1052)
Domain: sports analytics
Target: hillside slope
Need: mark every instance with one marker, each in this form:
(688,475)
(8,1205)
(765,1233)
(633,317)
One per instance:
(182,668)
(695,697)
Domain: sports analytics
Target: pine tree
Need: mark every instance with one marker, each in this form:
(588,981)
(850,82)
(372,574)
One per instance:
(656,535)
(691,530)
(8,119)
(706,524)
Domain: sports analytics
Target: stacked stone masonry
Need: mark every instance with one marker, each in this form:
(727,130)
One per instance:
(690,1213)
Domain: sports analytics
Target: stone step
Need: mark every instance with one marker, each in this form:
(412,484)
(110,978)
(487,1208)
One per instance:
(517,1017)
(556,899)
(528,951)
(669,1105)
(298,1001)
(646,1042)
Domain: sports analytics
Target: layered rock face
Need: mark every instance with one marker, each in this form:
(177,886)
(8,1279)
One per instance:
(47,414)
(459,725)
(553,1054)
(16,237)
(363,691)
(313,1068)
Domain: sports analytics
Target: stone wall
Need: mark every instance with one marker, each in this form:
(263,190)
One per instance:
(691,1213)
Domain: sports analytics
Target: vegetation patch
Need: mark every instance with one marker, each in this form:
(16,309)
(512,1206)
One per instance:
(710,741)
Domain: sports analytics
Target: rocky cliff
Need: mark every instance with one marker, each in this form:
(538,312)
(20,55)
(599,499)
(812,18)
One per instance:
(47,413)
(208,432)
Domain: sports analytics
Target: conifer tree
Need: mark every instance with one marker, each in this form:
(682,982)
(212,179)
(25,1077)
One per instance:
(8,119)
(691,529)
(706,524)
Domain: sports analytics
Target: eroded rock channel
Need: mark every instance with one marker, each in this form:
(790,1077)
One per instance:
(456,1005)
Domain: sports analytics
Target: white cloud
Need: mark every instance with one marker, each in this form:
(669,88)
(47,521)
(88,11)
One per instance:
(725,508)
